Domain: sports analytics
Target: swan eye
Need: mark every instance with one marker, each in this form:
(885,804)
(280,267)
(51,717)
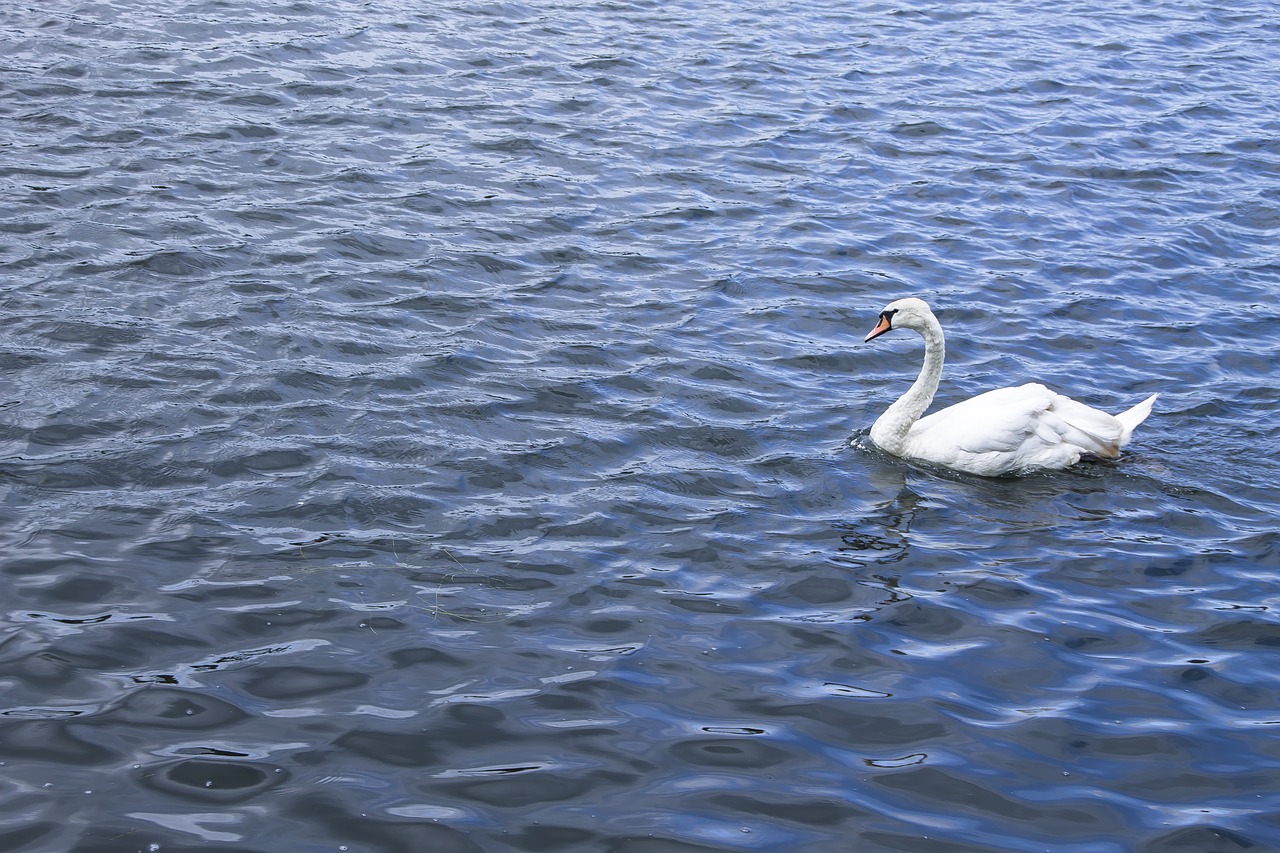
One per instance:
(887,316)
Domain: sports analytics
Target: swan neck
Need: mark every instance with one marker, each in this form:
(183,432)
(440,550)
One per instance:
(926,385)
(890,430)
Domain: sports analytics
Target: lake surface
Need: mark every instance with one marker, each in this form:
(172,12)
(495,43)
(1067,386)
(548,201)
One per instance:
(442,427)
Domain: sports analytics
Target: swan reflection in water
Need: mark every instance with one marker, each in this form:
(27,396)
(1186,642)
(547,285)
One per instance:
(911,523)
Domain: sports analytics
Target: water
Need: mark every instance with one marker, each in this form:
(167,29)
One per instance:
(427,427)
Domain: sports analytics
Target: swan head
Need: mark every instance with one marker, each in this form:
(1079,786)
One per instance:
(909,313)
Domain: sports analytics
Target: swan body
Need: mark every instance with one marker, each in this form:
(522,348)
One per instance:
(1006,431)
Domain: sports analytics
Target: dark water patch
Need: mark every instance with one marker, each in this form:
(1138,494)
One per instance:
(49,741)
(218,782)
(298,682)
(169,708)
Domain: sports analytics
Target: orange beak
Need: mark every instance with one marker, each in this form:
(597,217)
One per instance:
(881,327)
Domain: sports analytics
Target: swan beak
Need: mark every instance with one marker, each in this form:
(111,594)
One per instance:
(881,327)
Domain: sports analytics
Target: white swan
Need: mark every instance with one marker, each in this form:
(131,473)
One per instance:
(1009,430)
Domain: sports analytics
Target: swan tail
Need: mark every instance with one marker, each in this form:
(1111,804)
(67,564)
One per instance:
(1130,418)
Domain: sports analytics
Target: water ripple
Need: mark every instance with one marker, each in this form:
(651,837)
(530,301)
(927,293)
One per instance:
(428,428)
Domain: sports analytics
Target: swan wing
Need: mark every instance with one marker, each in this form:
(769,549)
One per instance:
(995,421)
(1094,431)
(1010,429)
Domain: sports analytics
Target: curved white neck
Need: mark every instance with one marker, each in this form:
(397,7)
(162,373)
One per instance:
(890,429)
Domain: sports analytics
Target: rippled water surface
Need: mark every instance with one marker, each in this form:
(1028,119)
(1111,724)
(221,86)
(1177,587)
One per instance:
(426,426)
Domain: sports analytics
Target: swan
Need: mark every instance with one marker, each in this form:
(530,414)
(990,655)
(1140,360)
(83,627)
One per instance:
(1005,431)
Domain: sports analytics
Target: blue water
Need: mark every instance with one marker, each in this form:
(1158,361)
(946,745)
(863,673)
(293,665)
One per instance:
(443,427)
